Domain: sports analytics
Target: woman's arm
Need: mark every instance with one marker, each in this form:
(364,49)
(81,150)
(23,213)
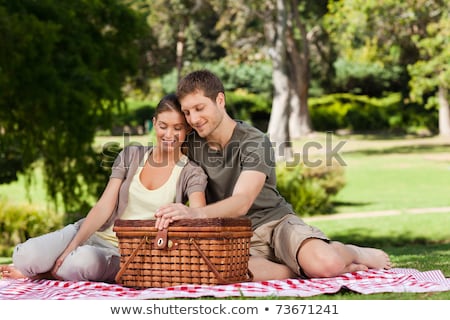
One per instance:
(96,217)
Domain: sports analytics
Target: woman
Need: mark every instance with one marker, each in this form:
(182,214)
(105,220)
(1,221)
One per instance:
(142,180)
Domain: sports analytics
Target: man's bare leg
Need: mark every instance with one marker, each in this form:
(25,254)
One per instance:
(320,259)
(263,269)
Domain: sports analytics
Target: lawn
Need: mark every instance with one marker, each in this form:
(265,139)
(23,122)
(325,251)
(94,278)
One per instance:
(387,172)
(395,180)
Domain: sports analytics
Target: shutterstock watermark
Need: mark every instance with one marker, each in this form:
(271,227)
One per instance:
(250,153)
(315,153)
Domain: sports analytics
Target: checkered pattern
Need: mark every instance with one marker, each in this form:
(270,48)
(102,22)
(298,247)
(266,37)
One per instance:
(372,281)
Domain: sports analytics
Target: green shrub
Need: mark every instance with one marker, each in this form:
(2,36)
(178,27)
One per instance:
(134,114)
(363,113)
(21,222)
(310,189)
(249,107)
(328,113)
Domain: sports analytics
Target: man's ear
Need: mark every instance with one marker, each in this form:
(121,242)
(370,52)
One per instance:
(220,99)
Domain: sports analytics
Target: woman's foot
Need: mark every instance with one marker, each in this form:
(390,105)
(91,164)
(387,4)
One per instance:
(10,272)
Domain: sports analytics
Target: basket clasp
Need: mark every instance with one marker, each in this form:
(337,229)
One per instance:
(161,239)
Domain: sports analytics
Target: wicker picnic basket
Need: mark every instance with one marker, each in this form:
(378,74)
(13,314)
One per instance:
(190,251)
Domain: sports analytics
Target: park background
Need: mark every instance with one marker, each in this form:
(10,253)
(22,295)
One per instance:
(357,88)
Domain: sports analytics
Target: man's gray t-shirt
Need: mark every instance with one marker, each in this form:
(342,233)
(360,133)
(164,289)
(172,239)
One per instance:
(248,149)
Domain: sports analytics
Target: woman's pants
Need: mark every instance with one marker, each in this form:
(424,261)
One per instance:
(95,260)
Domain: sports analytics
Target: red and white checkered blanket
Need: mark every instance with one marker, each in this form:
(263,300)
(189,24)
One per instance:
(372,281)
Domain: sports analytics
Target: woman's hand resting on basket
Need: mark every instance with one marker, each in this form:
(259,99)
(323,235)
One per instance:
(172,212)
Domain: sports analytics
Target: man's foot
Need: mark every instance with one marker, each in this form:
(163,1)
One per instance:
(356,267)
(371,257)
(10,272)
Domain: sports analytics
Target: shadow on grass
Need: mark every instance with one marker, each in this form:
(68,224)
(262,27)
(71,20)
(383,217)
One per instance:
(406,251)
(422,257)
(337,204)
(365,237)
(386,135)
(419,148)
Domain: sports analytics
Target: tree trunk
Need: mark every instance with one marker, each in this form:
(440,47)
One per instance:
(444,112)
(179,52)
(300,120)
(278,128)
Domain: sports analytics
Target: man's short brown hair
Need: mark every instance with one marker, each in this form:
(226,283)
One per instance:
(201,80)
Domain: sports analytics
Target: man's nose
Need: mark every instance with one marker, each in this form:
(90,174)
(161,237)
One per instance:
(194,117)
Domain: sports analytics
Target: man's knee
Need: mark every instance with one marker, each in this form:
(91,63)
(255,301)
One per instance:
(317,260)
(327,267)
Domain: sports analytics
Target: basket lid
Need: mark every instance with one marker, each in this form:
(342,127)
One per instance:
(208,222)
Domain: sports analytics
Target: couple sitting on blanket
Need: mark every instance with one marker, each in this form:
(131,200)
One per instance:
(225,163)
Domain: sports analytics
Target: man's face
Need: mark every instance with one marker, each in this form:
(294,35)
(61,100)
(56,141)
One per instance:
(203,114)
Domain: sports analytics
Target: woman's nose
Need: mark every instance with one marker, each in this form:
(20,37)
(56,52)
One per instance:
(169,132)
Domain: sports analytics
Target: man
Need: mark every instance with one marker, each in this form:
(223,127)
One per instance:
(240,165)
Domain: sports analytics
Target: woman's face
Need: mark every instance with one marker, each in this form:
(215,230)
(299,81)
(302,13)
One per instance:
(170,129)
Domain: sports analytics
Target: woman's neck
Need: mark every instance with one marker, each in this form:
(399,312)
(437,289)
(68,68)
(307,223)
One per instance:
(159,156)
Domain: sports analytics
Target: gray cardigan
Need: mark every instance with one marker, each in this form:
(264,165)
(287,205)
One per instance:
(192,179)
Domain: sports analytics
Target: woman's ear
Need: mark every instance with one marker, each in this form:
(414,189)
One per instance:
(154,121)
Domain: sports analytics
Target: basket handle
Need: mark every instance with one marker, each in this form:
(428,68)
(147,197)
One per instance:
(212,267)
(130,258)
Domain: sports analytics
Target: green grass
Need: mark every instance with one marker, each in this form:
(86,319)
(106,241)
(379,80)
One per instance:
(387,172)
(395,181)
(5,260)
(16,192)
(390,231)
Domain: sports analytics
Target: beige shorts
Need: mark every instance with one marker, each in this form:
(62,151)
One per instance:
(280,240)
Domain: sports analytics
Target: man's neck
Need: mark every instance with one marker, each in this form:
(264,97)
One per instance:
(222,135)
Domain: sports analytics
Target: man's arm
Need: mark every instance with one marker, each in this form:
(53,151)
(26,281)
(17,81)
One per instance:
(247,188)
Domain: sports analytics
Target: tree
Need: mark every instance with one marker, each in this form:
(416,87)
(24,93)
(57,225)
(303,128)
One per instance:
(295,27)
(182,32)
(284,32)
(405,40)
(62,68)
(431,73)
